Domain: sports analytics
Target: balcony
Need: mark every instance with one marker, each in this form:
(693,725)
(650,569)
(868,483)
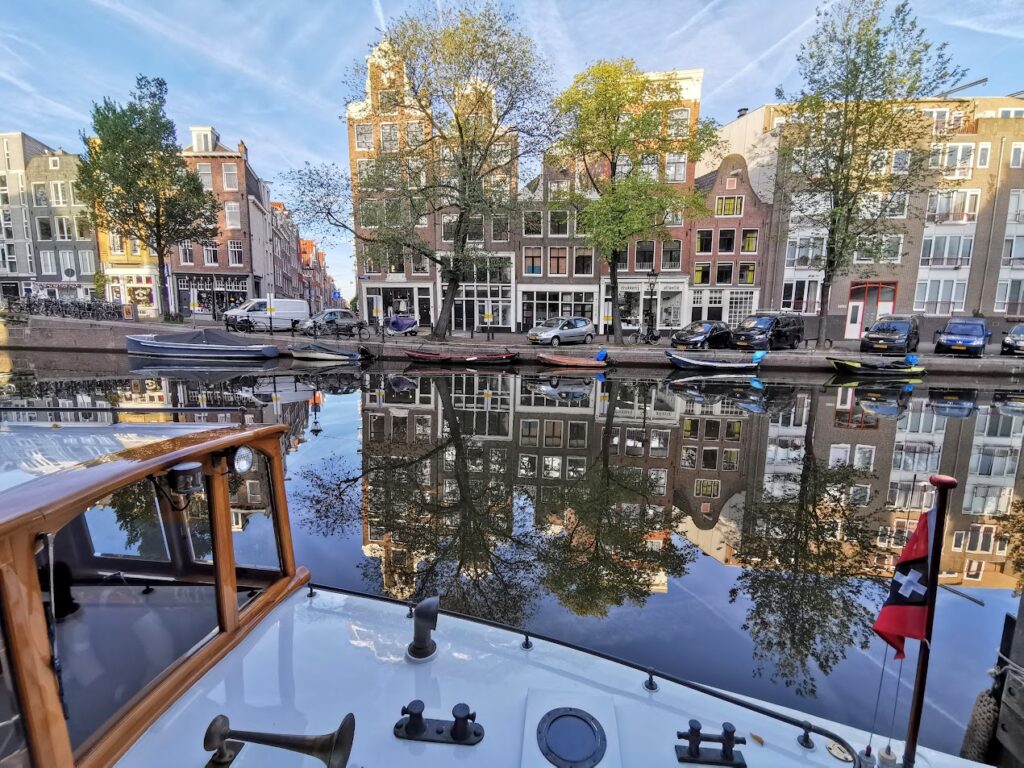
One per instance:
(938,307)
(805,262)
(951,261)
(801,306)
(951,217)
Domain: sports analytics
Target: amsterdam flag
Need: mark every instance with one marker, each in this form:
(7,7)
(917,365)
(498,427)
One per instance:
(905,611)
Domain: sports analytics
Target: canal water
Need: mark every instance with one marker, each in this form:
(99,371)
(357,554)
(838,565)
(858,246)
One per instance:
(740,532)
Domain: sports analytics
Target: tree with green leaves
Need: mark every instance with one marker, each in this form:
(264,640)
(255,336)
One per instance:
(479,90)
(619,125)
(135,182)
(855,146)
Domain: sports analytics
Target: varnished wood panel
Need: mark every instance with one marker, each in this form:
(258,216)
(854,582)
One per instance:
(223,549)
(272,447)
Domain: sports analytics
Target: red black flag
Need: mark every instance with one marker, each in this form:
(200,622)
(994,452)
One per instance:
(905,612)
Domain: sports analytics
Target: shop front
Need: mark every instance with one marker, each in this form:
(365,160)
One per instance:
(65,290)
(382,301)
(536,306)
(10,289)
(136,287)
(211,295)
(479,305)
(730,305)
(647,302)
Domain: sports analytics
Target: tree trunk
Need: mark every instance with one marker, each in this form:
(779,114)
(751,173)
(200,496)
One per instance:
(613,281)
(444,317)
(826,290)
(164,300)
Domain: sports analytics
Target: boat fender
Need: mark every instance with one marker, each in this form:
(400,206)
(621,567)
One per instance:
(912,359)
(602,355)
(758,356)
(981,728)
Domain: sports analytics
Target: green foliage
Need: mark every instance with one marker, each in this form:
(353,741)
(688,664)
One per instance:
(134,180)
(1012,526)
(99,281)
(863,76)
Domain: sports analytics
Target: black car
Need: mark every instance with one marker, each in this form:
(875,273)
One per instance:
(892,333)
(1013,341)
(702,334)
(768,330)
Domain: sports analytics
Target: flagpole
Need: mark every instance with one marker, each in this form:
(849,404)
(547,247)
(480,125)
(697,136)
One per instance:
(943,484)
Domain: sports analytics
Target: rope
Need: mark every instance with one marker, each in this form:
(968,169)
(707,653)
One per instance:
(896,698)
(1008,664)
(878,698)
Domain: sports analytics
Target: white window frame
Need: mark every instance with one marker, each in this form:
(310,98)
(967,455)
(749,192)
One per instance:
(389,147)
(541,223)
(676,161)
(679,263)
(551,229)
(233,251)
(208,250)
(984,153)
(742,206)
(47,263)
(63,230)
(583,274)
(183,248)
(60,199)
(39,232)
(87,262)
(229,186)
(565,272)
(205,173)
(1017,154)
(508,228)
(232,216)
(360,147)
(540,248)
(54,163)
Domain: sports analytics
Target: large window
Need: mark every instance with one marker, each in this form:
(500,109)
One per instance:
(805,252)
(723,273)
(44,228)
(726,240)
(800,296)
(499,228)
(729,205)
(675,167)
(940,297)
(389,137)
(955,160)
(533,257)
(558,260)
(185,255)
(583,262)
(210,254)
(558,223)
(705,239)
(205,172)
(953,205)
(364,138)
(671,255)
(645,255)
(533,223)
(946,251)
(229,173)
(235,253)
(232,216)
(748,243)
(702,274)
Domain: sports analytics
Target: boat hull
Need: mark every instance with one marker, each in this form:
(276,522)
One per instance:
(863,368)
(431,357)
(701,364)
(321,354)
(151,346)
(567,361)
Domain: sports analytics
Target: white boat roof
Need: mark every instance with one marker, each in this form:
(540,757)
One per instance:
(314,659)
(29,450)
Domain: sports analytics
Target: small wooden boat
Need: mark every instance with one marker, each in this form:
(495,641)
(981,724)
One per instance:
(710,364)
(199,344)
(600,360)
(906,367)
(503,358)
(324,353)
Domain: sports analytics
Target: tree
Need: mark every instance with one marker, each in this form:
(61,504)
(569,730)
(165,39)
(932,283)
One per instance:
(855,146)
(135,182)
(619,125)
(479,89)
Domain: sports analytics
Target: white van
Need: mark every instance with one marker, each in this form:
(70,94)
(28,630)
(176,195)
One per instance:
(256,313)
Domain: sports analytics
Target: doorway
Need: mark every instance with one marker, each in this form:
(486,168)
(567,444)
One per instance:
(854,318)
(870,300)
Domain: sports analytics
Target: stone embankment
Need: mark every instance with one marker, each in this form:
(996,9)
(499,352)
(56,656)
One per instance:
(50,333)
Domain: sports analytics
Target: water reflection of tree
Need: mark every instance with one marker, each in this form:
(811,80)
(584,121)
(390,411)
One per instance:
(806,551)
(613,544)
(135,509)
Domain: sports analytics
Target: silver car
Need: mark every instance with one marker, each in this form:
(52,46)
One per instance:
(327,320)
(562,330)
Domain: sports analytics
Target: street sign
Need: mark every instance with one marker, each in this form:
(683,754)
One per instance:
(336,295)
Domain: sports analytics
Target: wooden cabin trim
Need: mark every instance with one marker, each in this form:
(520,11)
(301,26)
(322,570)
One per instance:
(223,549)
(138,715)
(272,447)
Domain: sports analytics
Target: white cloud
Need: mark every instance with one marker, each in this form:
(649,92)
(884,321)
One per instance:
(39,103)
(698,16)
(1001,18)
(378,11)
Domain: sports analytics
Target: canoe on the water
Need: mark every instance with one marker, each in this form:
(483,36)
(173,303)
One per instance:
(711,364)
(567,361)
(324,353)
(872,368)
(433,357)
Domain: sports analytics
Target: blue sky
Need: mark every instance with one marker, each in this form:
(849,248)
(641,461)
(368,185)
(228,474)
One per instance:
(271,72)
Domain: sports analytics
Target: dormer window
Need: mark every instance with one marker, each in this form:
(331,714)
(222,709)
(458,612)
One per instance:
(202,141)
(54,163)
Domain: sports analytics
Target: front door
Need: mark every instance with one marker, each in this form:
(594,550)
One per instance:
(424,310)
(854,318)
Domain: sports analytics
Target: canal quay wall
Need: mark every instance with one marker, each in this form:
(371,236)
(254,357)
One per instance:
(71,335)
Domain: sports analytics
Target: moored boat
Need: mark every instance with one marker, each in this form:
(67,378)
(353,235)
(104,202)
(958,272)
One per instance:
(198,344)
(324,353)
(503,358)
(600,360)
(908,366)
(686,363)
(174,623)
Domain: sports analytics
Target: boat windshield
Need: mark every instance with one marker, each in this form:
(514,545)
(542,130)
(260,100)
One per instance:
(697,327)
(756,322)
(891,326)
(553,322)
(965,329)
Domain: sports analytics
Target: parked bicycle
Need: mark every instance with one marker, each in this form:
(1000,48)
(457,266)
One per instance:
(646,335)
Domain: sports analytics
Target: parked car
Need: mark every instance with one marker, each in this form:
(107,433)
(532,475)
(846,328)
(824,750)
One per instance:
(562,330)
(256,313)
(702,334)
(1013,341)
(768,330)
(963,336)
(327,320)
(892,333)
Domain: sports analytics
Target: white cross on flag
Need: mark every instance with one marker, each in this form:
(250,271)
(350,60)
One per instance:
(905,611)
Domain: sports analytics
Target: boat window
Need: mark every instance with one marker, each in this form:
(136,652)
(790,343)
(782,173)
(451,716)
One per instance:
(253,530)
(13,747)
(133,592)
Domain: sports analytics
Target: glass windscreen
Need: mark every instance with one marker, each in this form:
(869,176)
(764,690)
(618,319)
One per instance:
(253,529)
(697,327)
(891,326)
(761,323)
(13,747)
(132,593)
(965,329)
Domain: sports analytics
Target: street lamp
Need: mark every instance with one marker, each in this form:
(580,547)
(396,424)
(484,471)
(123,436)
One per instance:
(652,280)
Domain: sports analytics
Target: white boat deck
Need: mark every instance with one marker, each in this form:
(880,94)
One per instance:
(315,659)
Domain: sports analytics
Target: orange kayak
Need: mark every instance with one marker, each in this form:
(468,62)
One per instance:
(567,361)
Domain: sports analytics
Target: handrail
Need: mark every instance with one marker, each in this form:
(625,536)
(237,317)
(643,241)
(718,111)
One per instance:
(804,725)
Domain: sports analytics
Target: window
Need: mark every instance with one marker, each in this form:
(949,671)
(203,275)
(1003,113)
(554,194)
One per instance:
(659,443)
(748,244)
(58,193)
(389,137)
(901,161)
(730,459)
(730,205)
(864,457)
(1004,113)
(688,458)
(748,273)
(47,265)
(54,163)
(229,174)
(973,570)
(201,141)
(635,440)
(800,296)
(558,223)
(552,467)
(364,138)
(87,260)
(979,538)
(185,255)
(83,227)
(709,458)
(707,489)
(673,218)
(210,254)
(558,260)
(946,251)
(705,237)
(205,172)
(232,216)
(805,252)
(44,228)
(860,495)
(533,223)
(532,260)
(63,227)
(116,243)
(678,123)
(557,188)
(645,256)
(583,262)
(675,167)
(726,240)
(987,499)
(940,297)
(1016,155)
(388,102)
(882,248)
(955,160)
(956,206)
(449,221)
(553,430)
(723,273)
(475,228)
(712,429)
(671,251)
(499,228)
(235,253)
(984,150)
(649,166)
(414,134)
(839,454)
(702,274)
(39,196)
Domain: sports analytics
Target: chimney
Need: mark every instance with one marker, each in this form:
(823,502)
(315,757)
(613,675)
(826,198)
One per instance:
(245,152)
(741,111)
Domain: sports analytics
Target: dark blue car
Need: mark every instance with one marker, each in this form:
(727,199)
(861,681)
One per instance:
(963,336)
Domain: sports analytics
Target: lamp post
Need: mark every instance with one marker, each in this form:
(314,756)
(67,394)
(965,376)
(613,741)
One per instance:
(652,280)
